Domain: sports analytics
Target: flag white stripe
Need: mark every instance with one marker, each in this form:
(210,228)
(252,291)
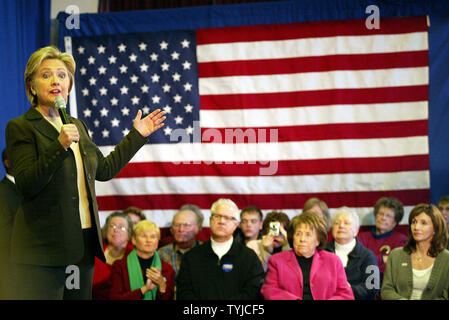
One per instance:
(357,113)
(301,150)
(281,49)
(319,183)
(340,79)
(163,218)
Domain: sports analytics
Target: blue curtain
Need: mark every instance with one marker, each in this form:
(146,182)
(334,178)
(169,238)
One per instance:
(25,27)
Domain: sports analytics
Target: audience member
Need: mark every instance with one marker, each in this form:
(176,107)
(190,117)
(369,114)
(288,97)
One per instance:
(10,198)
(135,214)
(142,275)
(221,268)
(116,234)
(419,270)
(359,262)
(383,237)
(186,224)
(271,242)
(319,207)
(307,272)
(251,218)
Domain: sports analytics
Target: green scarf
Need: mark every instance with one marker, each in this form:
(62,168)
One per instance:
(135,273)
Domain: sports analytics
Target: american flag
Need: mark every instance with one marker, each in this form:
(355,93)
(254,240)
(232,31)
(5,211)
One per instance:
(267,115)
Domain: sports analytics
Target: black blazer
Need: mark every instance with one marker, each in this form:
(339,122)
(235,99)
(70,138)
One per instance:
(47,229)
(10,198)
(359,259)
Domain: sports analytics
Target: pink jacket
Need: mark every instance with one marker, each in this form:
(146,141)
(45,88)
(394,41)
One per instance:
(327,278)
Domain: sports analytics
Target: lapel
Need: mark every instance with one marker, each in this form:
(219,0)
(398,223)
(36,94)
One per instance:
(295,270)
(40,124)
(316,264)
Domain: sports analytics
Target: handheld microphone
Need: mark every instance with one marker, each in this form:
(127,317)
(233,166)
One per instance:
(62,109)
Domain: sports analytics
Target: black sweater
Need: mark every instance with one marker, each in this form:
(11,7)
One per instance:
(238,275)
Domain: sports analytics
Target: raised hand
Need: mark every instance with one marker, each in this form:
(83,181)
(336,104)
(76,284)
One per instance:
(150,123)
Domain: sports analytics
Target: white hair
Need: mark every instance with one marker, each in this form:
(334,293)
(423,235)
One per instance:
(228,203)
(350,212)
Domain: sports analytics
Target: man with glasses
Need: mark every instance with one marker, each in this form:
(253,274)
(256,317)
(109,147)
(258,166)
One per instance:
(186,224)
(221,268)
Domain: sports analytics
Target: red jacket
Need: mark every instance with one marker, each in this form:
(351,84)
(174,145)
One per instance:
(102,274)
(121,290)
(284,279)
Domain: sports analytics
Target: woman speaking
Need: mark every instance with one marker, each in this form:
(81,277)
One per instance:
(55,166)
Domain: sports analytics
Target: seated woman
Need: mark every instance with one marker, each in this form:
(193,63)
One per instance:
(306,272)
(359,262)
(271,243)
(116,236)
(383,238)
(142,274)
(419,270)
(319,207)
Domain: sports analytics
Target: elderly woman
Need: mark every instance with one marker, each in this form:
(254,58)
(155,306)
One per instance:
(117,235)
(270,243)
(319,207)
(306,272)
(383,237)
(419,270)
(359,262)
(142,275)
(55,166)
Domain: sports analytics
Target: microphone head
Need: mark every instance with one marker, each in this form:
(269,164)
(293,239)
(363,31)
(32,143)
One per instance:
(59,102)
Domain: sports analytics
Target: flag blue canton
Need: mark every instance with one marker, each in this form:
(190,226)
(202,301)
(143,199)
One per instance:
(119,74)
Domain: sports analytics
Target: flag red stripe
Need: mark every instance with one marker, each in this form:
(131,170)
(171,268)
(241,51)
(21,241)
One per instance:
(317,132)
(264,201)
(314,98)
(314,29)
(314,64)
(285,167)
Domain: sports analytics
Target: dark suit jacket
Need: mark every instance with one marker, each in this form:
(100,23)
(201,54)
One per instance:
(10,198)
(47,229)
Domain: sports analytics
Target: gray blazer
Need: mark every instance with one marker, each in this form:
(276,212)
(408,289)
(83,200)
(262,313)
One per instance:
(47,229)
(398,277)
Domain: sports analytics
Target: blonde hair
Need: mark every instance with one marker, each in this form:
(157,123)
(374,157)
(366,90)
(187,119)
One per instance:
(145,225)
(36,60)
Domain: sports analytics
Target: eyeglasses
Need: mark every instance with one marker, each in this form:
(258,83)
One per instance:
(219,216)
(185,225)
(446,208)
(120,228)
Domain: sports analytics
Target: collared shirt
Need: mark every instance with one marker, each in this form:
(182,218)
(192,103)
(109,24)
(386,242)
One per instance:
(10,178)
(171,254)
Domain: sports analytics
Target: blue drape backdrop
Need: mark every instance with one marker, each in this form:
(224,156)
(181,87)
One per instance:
(25,27)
